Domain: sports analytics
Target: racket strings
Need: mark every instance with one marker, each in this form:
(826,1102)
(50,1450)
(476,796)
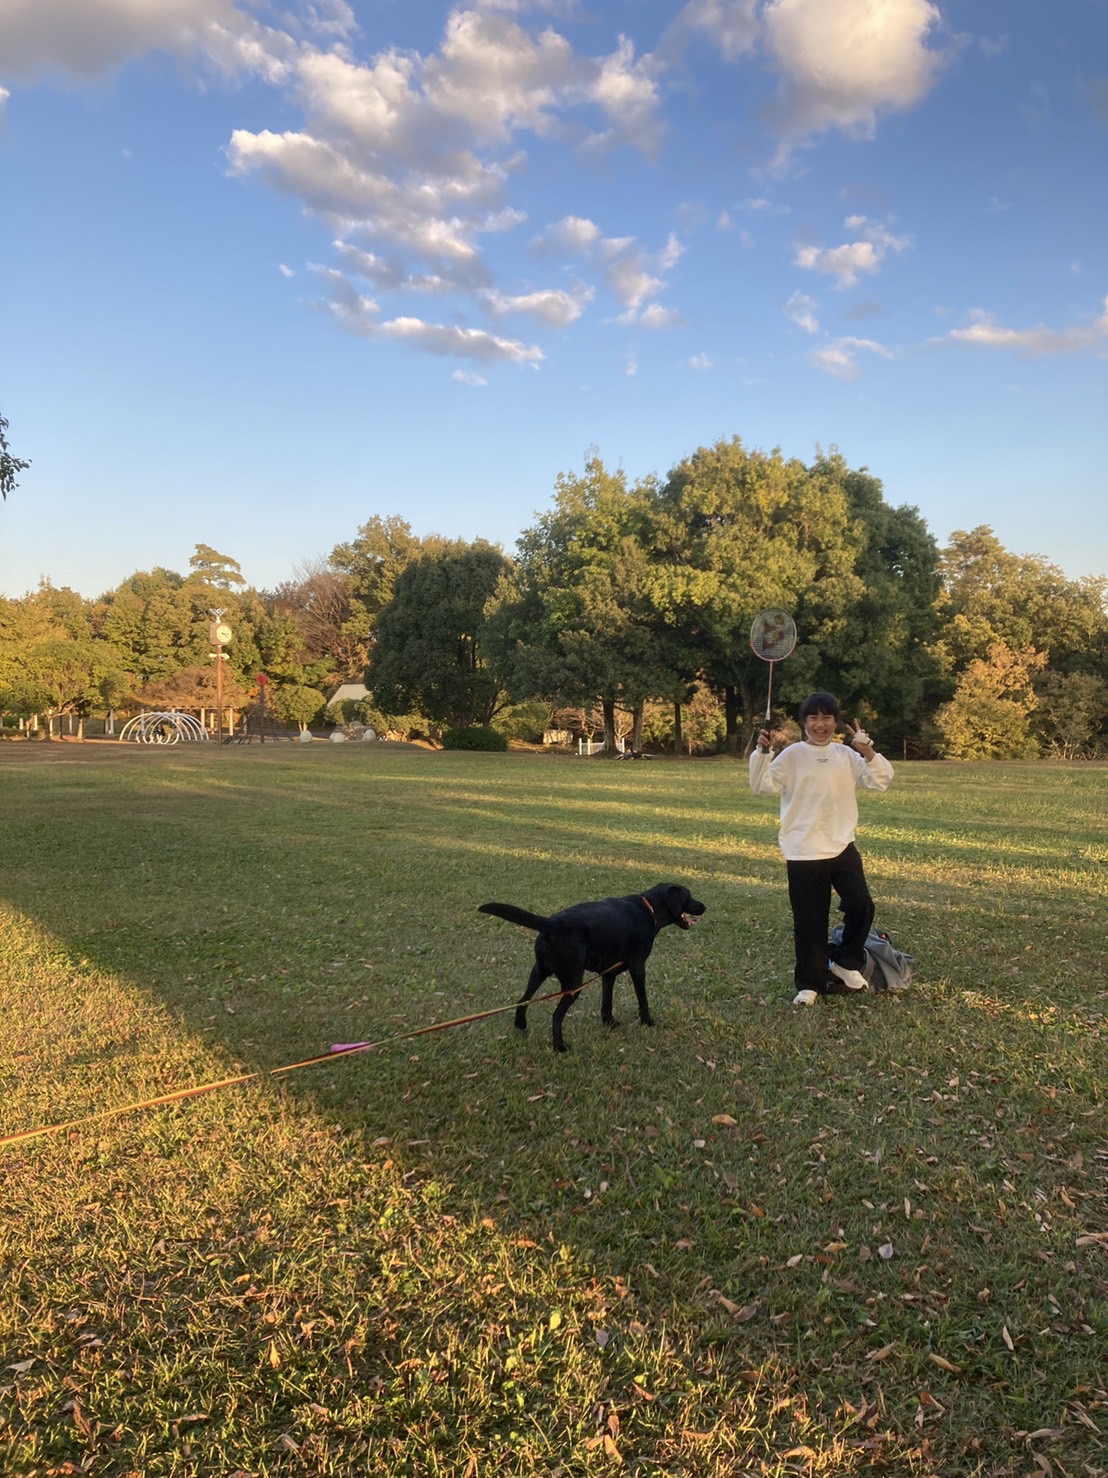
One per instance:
(773,636)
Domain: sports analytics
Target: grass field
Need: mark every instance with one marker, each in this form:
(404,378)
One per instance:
(866,1236)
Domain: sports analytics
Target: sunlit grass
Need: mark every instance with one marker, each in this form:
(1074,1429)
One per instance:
(667,1253)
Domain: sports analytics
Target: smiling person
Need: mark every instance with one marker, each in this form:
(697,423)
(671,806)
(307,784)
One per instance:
(818,780)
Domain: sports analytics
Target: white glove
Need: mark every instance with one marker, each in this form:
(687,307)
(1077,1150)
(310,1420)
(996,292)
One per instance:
(860,737)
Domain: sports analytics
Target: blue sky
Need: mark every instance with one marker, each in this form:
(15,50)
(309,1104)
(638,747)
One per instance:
(267,270)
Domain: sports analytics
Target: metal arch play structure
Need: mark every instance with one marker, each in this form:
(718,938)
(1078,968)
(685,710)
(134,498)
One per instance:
(165,726)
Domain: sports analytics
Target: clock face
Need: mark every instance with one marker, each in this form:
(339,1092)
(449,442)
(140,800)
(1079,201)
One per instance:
(222,633)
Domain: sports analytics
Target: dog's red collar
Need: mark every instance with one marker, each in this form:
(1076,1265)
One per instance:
(649,905)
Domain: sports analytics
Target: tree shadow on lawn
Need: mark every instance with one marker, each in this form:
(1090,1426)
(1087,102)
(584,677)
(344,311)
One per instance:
(699,1203)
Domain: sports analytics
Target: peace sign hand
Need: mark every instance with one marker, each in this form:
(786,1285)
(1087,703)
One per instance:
(858,739)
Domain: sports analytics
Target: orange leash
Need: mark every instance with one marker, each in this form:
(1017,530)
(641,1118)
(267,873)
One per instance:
(344,1050)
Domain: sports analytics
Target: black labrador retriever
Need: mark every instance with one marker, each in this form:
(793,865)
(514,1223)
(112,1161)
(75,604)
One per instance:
(609,936)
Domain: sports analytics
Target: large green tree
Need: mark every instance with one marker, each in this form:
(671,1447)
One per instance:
(427,654)
(994,601)
(580,622)
(743,531)
(878,655)
(370,564)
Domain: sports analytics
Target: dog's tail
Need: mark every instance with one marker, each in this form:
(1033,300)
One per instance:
(514,915)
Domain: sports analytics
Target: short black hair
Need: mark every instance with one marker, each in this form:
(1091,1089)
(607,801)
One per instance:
(819,703)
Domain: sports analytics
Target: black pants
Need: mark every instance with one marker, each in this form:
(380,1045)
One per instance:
(810,885)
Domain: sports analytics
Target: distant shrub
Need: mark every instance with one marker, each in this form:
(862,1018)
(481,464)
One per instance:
(475,738)
(525,721)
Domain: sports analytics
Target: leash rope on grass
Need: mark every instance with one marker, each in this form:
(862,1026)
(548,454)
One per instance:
(344,1050)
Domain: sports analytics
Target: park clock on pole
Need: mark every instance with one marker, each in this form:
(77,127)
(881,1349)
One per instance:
(221,633)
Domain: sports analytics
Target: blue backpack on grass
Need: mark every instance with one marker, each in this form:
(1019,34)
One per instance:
(885,967)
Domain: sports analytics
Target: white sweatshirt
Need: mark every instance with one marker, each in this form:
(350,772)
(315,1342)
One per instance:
(818,787)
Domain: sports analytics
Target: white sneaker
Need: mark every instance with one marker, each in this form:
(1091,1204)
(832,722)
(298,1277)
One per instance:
(852,979)
(805,998)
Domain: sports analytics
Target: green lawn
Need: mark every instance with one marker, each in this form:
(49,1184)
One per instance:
(866,1236)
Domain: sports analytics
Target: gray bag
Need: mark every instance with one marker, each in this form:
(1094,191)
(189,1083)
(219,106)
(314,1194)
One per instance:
(885,967)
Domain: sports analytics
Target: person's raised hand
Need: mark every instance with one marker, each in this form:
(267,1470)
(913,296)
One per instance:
(857,737)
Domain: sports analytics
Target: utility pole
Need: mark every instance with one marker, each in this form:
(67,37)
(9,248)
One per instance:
(220,634)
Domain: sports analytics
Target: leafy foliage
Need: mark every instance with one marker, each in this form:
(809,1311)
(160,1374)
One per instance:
(10,465)
(474,738)
(428,653)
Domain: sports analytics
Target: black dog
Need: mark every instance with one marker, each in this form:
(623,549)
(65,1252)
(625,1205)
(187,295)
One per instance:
(609,936)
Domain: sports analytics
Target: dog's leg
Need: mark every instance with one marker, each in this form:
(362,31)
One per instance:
(535,979)
(607,983)
(638,977)
(570,981)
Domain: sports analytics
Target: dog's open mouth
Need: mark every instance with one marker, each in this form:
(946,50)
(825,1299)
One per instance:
(687,920)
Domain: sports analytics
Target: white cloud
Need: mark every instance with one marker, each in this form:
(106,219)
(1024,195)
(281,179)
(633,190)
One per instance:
(1039,340)
(731,24)
(466,343)
(839,357)
(846,262)
(701,363)
(469,377)
(285,271)
(845,61)
(360,315)
(670,254)
(627,92)
(625,268)
(490,75)
(841,262)
(572,233)
(655,316)
(39,37)
(802,310)
(552,306)
(409,157)
(388,276)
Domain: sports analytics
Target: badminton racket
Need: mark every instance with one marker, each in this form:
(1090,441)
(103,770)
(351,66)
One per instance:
(772,638)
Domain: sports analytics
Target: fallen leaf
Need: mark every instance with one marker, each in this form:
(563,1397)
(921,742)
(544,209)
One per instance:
(882,1354)
(741,1313)
(1007,1338)
(725,1119)
(886,1251)
(944,1364)
(792,1262)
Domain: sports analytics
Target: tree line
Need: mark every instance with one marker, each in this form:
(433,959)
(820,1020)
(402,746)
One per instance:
(626,608)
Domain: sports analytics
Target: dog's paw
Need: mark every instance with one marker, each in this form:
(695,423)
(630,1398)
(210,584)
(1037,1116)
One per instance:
(612,1023)
(647,1020)
(560,1047)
